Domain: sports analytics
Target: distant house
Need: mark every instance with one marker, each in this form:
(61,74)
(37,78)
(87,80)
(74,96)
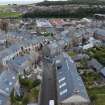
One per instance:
(57,22)
(70,87)
(42,24)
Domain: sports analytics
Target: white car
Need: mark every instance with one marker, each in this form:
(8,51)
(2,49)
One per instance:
(51,102)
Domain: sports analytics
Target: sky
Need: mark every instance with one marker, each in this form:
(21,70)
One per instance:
(21,1)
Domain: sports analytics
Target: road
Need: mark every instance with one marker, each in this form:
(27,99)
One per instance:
(48,89)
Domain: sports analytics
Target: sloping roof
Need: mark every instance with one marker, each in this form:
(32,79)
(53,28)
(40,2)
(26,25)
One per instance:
(95,64)
(8,51)
(100,32)
(7,81)
(3,100)
(54,48)
(20,62)
(68,80)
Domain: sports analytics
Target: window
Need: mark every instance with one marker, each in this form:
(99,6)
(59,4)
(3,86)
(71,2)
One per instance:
(62,79)
(63,92)
(62,85)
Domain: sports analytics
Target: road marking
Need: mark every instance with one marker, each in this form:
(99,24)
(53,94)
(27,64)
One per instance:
(67,64)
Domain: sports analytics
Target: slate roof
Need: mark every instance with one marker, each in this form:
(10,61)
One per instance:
(95,64)
(7,81)
(100,32)
(9,51)
(103,71)
(3,100)
(20,62)
(68,80)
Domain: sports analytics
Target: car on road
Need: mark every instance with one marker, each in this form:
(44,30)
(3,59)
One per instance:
(51,102)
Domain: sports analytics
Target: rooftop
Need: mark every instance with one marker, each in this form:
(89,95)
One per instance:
(3,99)
(43,23)
(20,62)
(7,82)
(69,83)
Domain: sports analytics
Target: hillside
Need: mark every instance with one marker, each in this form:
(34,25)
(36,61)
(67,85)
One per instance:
(93,2)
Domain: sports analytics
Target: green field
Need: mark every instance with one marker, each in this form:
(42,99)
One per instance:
(11,14)
(97,95)
(72,53)
(5,13)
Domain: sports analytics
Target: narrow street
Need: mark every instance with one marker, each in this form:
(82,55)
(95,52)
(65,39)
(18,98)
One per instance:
(48,89)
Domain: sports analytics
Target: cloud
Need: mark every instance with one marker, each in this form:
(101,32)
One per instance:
(21,1)
(18,1)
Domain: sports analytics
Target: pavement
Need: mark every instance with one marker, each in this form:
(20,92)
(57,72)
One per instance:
(48,89)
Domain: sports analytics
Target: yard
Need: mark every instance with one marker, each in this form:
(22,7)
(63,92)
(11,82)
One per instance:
(29,93)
